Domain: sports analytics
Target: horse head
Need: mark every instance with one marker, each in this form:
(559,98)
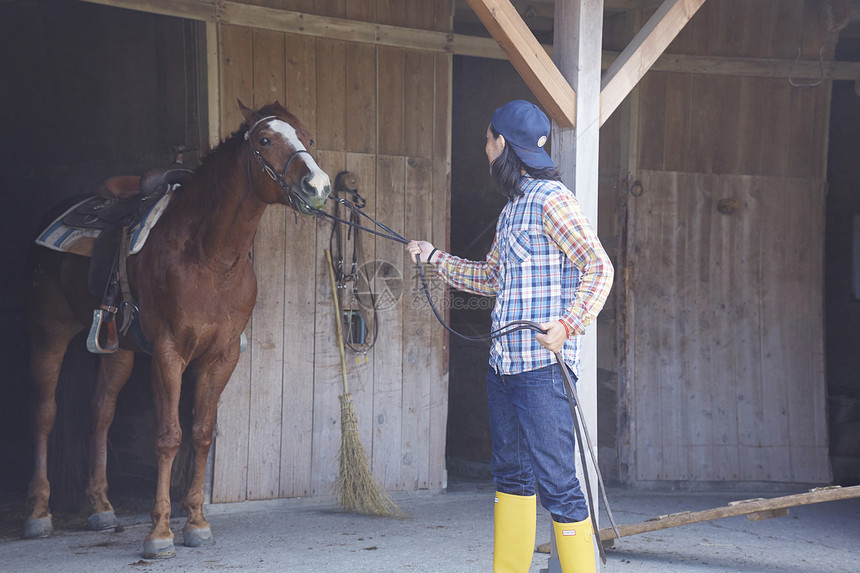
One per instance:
(279,142)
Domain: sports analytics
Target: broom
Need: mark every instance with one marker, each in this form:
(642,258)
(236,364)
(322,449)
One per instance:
(357,489)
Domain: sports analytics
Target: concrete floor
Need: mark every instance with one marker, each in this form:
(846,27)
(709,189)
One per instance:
(452,532)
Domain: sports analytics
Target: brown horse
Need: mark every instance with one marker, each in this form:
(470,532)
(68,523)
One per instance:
(195,287)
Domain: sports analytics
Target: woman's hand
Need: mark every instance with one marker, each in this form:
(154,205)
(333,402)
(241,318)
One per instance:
(555,336)
(422,248)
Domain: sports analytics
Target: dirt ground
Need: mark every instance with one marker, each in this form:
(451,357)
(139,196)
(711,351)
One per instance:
(447,532)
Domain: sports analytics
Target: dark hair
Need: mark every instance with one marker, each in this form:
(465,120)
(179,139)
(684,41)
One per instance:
(507,171)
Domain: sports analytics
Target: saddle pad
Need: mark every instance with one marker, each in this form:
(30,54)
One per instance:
(60,236)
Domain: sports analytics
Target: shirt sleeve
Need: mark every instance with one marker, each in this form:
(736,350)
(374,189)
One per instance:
(476,277)
(565,223)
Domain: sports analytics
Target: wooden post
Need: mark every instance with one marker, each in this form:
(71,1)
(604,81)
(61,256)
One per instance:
(577,54)
(213,138)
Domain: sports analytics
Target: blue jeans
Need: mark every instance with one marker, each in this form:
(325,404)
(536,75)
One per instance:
(533,441)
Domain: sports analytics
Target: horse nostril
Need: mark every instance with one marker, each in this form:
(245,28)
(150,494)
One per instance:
(307,186)
(316,186)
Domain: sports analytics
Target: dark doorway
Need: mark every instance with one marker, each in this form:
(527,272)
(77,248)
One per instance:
(480,86)
(842,303)
(89,92)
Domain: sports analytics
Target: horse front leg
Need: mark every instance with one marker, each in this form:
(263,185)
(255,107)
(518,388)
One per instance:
(212,377)
(166,382)
(47,350)
(114,371)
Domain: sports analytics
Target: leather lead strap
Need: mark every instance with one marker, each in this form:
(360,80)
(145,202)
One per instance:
(578,421)
(123,282)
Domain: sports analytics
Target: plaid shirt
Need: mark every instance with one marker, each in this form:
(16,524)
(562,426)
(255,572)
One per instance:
(546,264)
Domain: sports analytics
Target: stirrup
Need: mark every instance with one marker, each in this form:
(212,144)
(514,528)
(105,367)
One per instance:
(104,315)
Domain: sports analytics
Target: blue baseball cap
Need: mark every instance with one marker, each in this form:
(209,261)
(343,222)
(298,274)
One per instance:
(526,128)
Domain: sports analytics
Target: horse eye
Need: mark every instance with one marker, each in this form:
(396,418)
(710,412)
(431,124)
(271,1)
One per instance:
(311,142)
(265,141)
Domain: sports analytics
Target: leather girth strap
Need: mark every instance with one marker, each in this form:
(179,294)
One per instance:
(127,299)
(128,306)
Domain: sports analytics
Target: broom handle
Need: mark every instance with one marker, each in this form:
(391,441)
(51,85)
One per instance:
(337,322)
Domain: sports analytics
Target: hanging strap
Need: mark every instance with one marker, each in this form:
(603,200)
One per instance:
(127,316)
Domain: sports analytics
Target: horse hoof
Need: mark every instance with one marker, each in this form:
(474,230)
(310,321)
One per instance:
(195,537)
(158,549)
(40,527)
(102,521)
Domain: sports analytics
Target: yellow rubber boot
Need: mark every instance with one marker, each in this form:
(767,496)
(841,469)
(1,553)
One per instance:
(515,520)
(575,543)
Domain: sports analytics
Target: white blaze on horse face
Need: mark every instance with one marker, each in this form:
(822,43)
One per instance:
(319,179)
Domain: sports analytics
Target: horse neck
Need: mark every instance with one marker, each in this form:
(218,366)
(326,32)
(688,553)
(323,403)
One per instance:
(221,211)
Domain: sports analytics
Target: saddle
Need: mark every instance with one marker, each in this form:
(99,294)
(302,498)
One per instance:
(125,198)
(118,205)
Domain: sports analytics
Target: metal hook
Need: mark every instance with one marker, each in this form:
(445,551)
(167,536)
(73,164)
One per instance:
(814,83)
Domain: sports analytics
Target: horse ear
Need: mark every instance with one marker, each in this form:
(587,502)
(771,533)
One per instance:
(246,111)
(278,107)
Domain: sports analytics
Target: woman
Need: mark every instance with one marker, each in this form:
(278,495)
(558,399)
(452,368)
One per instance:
(546,265)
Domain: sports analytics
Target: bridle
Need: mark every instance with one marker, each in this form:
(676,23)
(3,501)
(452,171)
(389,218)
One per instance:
(386,232)
(293,198)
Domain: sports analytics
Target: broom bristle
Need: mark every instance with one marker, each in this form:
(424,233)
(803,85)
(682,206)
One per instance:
(357,489)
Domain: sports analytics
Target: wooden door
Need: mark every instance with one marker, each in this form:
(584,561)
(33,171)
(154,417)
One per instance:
(725,353)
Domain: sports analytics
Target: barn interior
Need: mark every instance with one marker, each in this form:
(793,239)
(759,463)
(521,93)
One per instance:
(728,353)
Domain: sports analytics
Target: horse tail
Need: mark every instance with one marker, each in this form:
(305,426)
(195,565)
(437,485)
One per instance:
(69,444)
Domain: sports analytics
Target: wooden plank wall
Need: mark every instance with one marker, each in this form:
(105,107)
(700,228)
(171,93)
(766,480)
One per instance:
(723,288)
(728,350)
(382,114)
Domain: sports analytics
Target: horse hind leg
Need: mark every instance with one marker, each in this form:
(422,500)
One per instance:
(48,347)
(210,383)
(114,371)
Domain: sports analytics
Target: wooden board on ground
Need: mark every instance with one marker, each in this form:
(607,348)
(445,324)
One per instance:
(754,509)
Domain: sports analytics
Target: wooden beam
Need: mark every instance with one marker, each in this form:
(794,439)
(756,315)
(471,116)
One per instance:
(334,28)
(638,57)
(528,9)
(754,509)
(203,10)
(610,6)
(529,58)
(617,6)
(752,67)
(475,46)
(459,44)
(213,89)
(262,17)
